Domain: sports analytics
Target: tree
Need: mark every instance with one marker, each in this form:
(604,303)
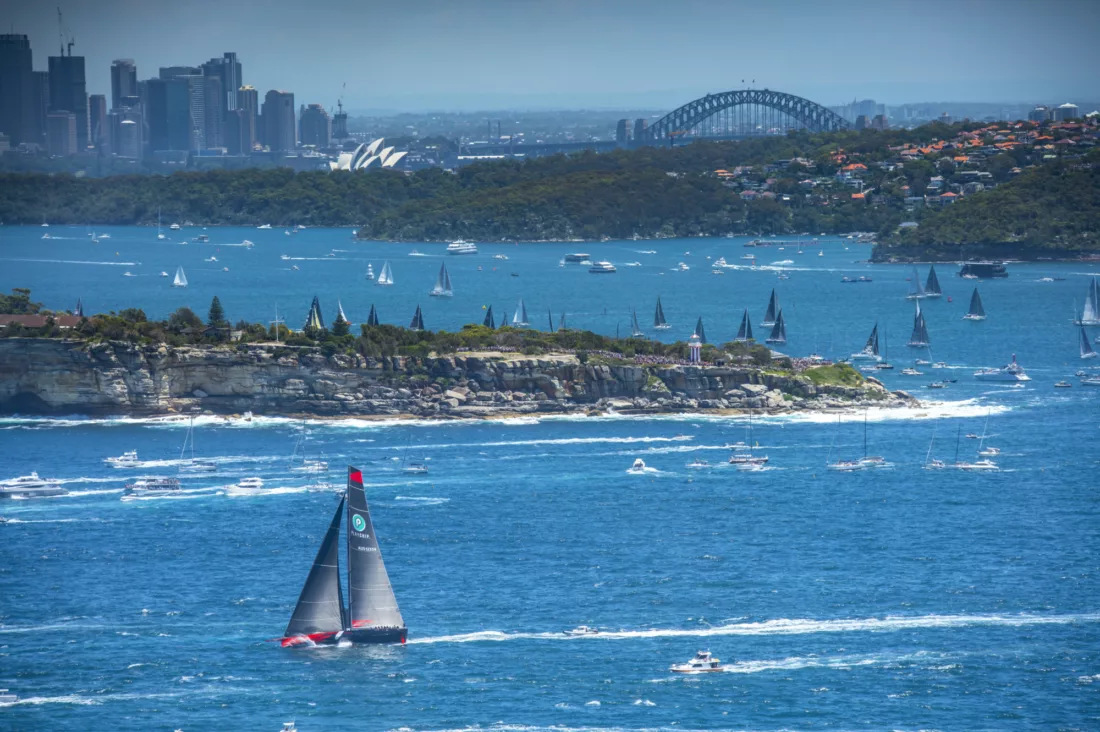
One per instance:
(183,318)
(216,317)
(340,326)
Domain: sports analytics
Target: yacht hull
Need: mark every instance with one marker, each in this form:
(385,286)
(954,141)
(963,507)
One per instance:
(361,636)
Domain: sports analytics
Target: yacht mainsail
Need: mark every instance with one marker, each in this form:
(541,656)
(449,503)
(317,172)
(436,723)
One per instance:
(314,320)
(519,319)
(773,310)
(371,602)
(442,283)
(340,312)
(1091,313)
(489,321)
(561,322)
(549,320)
(932,286)
(320,607)
(180,279)
(659,317)
(779,330)
(417,321)
(919,337)
(744,333)
(700,331)
(1086,347)
(916,290)
(372,319)
(635,329)
(976,312)
(78,311)
(385,277)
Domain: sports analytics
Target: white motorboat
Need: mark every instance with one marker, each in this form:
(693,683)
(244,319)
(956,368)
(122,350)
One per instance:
(939,365)
(211,259)
(153,486)
(202,238)
(500,256)
(873,461)
(246,487)
(128,459)
(638,467)
(703,663)
(163,274)
(751,467)
(7,698)
(174,227)
(698,464)
(581,630)
(602,267)
(459,246)
(681,267)
(128,273)
(1011,372)
(977,465)
(910,371)
(987,452)
(30,486)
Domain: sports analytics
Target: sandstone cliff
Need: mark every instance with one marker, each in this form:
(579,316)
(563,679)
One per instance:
(50,376)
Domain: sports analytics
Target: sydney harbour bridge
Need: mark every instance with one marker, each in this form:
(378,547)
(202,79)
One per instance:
(728,115)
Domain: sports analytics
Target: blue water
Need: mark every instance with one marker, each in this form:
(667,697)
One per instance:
(897,598)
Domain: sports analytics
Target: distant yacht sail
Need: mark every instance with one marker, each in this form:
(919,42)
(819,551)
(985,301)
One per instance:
(1091,313)
(549,320)
(180,279)
(773,310)
(372,319)
(744,333)
(372,614)
(659,322)
(779,330)
(385,277)
(417,321)
(340,312)
(561,322)
(919,337)
(489,321)
(870,349)
(700,331)
(442,283)
(635,329)
(519,319)
(79,310)
(932,286)
(1086,347)
(916,290)
(976,312)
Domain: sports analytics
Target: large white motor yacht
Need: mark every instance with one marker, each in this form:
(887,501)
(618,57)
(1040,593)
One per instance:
(128,459)
(1011,372)
(459,246)
(246,487)
(30,486)
(602,267)
(152,486)
(703,663)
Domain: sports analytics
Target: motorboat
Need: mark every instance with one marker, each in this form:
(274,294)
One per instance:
(922,362)
(638,467)
(289,727)
(202,238)
(246,487)
(163,274)
(910,371)
(703,663)
(128,459)
(498,256)
(459,246)
(128,273)
(989,452)
(602,267)
(581,630)
(1011,372)
(681,267)
(873,461)
(285,257)
(576,258)
(1063,385)
(977,465)
(939,365)
(415,253)
(751,467)
(7,698)
(30,486)
(698,464)
(176,227)
(153,486)
(211,259)
(938,385)
(1090,381)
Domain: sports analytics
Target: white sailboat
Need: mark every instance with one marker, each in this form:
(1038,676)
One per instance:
(916,289)
(180,279)
(385,277)
(519,319)
(1086,347)
(191,464)
(299,463)
(442,283)
(1090,315)
(160,234)
(746,460)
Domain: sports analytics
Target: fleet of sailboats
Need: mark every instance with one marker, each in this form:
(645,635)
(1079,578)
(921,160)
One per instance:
(976,311)
(442,283)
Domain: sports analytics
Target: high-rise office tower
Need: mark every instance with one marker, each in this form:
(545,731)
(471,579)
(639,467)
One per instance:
(340,123)
(123,81)
(245,132)
(280,132)
(231,79)
(168,112)
(314,126)
(69,94)
(195,81)
(126,132)
(61,133)
(17,112)
(40,101)
(97,121)
(214,111)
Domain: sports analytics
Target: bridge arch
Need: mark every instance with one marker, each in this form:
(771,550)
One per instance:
(743,112)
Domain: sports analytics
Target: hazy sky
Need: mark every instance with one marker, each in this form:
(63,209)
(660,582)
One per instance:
(493,54)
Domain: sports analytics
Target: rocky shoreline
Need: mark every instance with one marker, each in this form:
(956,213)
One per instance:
(42,376)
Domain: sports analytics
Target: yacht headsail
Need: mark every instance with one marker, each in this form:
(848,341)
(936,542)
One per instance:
(320,608)
(916,290)
(635,329)
(1090,315)
(744,332)
(1086,347)
(919,337)
(700,331)
(385,277)
(773,310)
(659,322)
(417,320)
(372,319)
(561,322)
(180,279)
(340,312)
(976,311)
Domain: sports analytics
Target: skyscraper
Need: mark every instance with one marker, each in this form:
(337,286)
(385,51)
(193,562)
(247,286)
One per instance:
(97,121)
(315,127)
(126,132)
(168,112)
(195,82)
(231,79)
(247,132)
(280,132)
(61,133)
(17,114)
(69,94)
(123,81)
(340,123)
(214,111)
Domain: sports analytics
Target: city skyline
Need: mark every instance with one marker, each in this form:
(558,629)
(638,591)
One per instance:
(491,54)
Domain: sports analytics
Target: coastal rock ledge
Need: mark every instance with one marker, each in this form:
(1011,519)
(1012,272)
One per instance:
(51,376)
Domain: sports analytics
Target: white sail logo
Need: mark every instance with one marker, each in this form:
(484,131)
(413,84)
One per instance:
(358,522)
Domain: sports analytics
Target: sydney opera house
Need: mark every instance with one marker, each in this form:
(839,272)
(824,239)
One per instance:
(367,155)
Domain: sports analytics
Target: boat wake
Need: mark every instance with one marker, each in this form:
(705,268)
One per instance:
(785,626)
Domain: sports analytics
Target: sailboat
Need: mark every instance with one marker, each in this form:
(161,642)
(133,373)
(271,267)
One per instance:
(180,279)
(193,465)
(746,460)
(842,466)
(885,364)
(635,329)
(700,332)
(489,321)
(160,234)
(372,615)
(985,464)
(932,285)
(870,461)
(773,310)
(744,333)
(870,350)
(413,468)
(916,290)
(561,323)
(976,312)
(417,323)
(1091,313)
(919,337)
(549,321)
(1086,347)
(306,465)
(442,283)
(385,277)
(931,463)
(519,319)
(659,322)
(340,312)
(372,319)
(779,331)
(370,271)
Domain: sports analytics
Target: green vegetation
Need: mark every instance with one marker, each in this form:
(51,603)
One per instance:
(19,303)
(839,374)
(1049,210)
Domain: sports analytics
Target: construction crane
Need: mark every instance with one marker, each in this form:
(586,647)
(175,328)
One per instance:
(61,34)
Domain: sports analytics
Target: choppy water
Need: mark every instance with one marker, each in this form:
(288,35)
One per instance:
(898,598)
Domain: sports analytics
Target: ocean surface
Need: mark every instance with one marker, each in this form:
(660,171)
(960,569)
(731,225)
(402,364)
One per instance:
(895,598)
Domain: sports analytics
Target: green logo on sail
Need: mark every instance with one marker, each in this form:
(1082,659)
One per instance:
(358,523)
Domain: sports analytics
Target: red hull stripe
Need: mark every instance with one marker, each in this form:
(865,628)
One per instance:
(295,640)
